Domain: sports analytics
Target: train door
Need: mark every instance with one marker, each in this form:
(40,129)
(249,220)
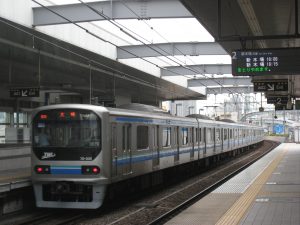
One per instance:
(204,139)
(192,142)
(114,149)
(231,138)
(228,139)
(198,140)
(238,137)
(214,138)
(176,143)
(222,139)
(155,148)
(126,147)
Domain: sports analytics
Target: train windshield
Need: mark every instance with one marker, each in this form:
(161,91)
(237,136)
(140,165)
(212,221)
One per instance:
(66,135)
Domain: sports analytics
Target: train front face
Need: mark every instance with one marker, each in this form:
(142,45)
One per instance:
(67,165)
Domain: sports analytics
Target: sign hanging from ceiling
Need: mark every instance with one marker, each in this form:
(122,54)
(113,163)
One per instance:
(271,85)
(285,61)
(24,92)
(279,100)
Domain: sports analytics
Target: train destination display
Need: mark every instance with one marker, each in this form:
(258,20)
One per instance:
(285,61)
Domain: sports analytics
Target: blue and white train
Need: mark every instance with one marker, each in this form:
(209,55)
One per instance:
(79,150)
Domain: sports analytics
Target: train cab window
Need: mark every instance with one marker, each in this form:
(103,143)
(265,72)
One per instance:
(185,135)
(142,137)
(166,137)
(68,134)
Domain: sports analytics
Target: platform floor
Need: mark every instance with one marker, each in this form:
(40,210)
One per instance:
(266,193)
(14,167)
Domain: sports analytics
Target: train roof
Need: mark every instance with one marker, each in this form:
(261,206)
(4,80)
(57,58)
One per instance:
(136,113)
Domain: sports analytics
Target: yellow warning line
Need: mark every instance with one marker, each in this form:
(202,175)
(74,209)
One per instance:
(17,176)
(240,207)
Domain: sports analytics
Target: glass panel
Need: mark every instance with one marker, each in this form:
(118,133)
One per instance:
(142,137)
(166,137)
(185,136)
(218,135)
(66,128)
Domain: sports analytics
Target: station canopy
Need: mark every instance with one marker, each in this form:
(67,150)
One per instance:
(258,26)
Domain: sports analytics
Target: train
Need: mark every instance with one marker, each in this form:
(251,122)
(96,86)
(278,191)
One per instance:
(79,150)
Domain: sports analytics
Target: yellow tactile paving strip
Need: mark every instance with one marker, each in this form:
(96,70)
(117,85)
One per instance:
(240,207)
(11,177)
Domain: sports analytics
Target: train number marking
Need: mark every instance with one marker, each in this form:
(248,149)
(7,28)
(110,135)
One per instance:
(88,158)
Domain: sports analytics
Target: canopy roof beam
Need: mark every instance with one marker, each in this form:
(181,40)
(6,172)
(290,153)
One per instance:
(171,49)
(218,69)
(229,90)
(130,9)
(224,81)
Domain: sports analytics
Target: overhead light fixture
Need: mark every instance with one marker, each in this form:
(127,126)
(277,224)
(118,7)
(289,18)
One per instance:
(248,11)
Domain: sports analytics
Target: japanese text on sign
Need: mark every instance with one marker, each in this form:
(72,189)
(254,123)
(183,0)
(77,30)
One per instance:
(266,62)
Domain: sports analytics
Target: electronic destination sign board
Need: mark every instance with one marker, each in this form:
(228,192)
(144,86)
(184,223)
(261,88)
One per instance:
(285,61)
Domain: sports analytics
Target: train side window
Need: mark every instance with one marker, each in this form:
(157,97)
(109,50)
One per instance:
(176,139)
(230,134)
(218,135)
(166,137)
(185,135)
(225,134)
(200,134)
(126,137)
(142,137)
(114,137)
(193,135)
(210,135)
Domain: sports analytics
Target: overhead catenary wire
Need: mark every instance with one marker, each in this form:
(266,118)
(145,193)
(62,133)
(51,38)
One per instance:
(98,37)
(181,65)
(135,38)
(107,18)
(152,28)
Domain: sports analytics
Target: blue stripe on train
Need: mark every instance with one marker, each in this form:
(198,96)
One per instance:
(150,156)
(65,170)
(131,119)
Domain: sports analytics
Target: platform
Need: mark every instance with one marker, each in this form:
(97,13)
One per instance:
(14,167)
(267,192)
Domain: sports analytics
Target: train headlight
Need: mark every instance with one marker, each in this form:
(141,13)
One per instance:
(42,169)
(90,170)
